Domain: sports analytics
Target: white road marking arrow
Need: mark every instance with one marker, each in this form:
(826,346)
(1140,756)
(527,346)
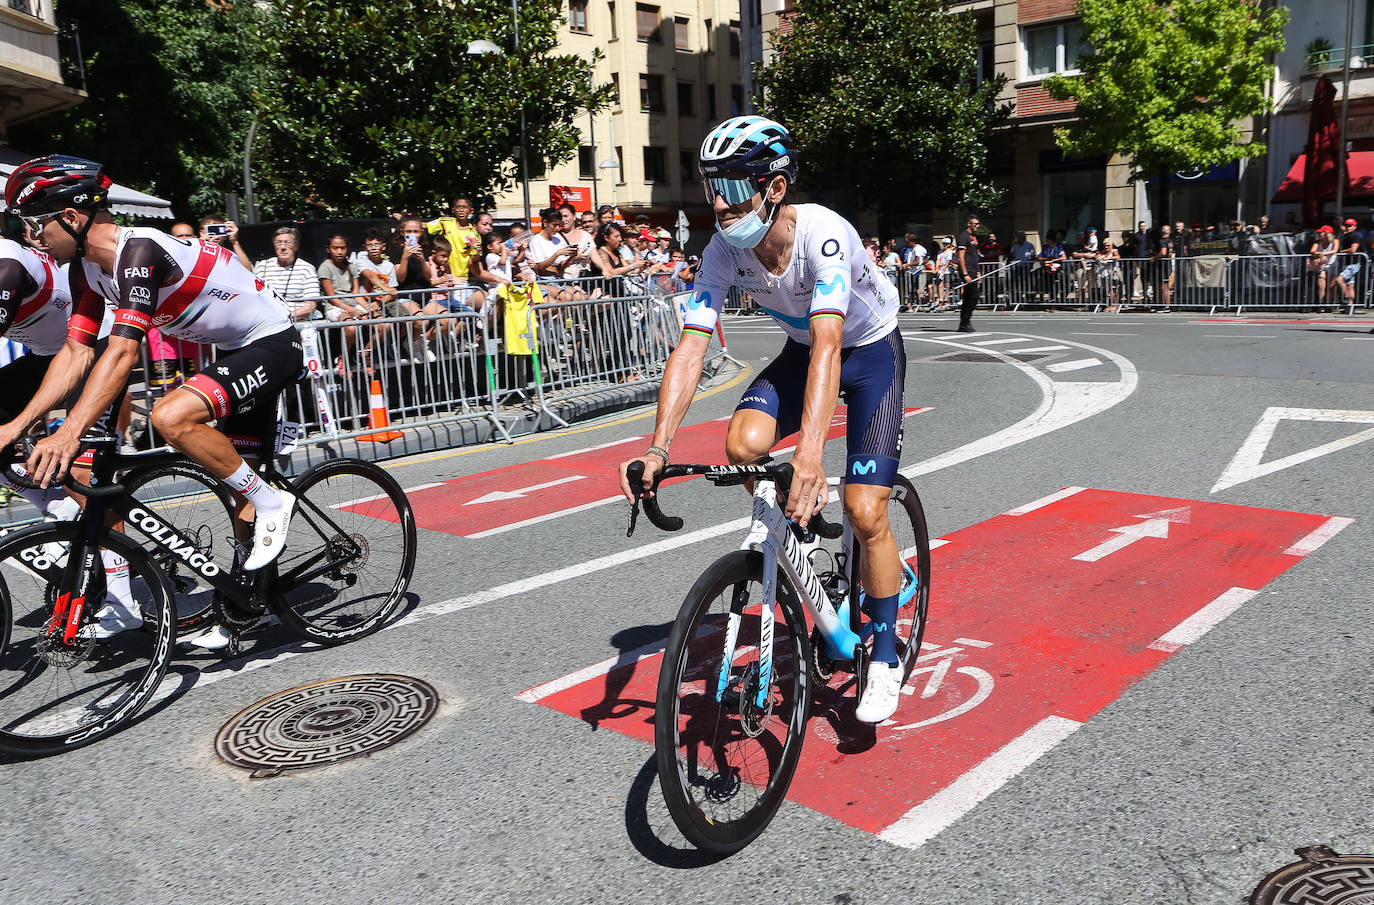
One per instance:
(1156,524)
(497,495)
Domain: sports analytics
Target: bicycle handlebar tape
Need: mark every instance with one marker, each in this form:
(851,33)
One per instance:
(634,473)
(377,418)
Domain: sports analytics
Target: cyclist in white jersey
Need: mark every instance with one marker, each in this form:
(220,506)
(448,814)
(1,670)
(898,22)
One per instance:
(806,266)
(35,304)
(189,290)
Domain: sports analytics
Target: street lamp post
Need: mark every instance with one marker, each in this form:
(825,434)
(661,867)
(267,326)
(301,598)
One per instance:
(481,47)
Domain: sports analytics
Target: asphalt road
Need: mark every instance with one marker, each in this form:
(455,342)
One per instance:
(1183,766)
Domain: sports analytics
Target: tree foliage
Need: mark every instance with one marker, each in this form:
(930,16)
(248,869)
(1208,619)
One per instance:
(884,102)
(170,97)
(1171,81)
(370,106)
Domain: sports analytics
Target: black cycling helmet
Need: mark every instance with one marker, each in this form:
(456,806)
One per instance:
(50,184)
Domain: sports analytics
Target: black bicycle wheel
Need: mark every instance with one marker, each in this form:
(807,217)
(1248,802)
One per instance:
(724,763)
(57,695)
(908,522)
(185,496)
(349,555)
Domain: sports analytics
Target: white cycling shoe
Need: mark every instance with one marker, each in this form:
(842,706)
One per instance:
(269,535)
(111,619)
(213,638)
(881,694)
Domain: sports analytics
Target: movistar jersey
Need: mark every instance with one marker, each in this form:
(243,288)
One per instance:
(186,288)
(829,276)
(34,299)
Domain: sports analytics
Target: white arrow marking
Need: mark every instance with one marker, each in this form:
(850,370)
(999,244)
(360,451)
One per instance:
(1127,535)
(1246,465)
(497,495)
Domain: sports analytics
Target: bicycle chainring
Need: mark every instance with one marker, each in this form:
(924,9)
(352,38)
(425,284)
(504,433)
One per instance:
(822,667)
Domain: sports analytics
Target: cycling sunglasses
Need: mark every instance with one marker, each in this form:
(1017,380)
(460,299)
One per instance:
(734,191)
(35,223)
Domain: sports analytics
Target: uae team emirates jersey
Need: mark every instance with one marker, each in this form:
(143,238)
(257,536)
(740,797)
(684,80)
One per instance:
(35,300)
(186,288)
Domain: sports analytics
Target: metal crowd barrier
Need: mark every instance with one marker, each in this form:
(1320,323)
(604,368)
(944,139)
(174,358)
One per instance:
(438,370)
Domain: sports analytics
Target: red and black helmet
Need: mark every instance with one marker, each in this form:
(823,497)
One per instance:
(49,184)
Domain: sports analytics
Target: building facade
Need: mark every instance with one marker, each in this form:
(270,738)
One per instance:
(34,79)
(677,68)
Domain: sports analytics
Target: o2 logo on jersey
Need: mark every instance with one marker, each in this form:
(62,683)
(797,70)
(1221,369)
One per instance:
(130,272)
(831,248)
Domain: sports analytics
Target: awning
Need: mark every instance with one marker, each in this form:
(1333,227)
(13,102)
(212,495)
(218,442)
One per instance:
(123,200)
(1359,167)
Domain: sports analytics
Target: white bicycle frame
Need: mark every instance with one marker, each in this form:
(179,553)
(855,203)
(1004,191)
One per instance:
(771,534)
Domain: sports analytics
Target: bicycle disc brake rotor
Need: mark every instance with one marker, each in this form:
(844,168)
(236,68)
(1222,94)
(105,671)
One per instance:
(752,718)
(347,563)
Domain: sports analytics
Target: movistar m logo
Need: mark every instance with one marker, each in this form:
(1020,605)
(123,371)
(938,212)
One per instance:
(869,466)
(880,626)
(836,283)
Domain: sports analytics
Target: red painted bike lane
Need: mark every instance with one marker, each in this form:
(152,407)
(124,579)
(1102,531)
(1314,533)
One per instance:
(496,501)
(1040,617)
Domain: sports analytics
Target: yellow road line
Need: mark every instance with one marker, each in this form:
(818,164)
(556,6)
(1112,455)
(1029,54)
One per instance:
(549,435)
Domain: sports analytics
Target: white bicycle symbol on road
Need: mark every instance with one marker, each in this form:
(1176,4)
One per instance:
(937,672)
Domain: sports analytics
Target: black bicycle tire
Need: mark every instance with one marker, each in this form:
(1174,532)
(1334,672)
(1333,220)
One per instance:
(138,477)
(909,648)
(361,468)
(725,838)
(140,564)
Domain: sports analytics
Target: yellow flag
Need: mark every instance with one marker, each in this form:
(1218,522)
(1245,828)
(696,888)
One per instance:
(516,299)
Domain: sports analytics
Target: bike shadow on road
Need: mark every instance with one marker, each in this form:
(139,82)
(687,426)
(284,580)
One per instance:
(640,825)
(631,642)
(835,704)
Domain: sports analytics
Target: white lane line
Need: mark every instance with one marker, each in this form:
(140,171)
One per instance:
(1104,334)
(1001,342)
(539,692)
(1063,402)
(972,642)
(1360,339)
(938,812)
(1045,501)
(1240,335)
(382,496)
(502,529)
(935,544)
(587,449)
(1201,622)
(1327,530)
(1042,349)
(1076,365)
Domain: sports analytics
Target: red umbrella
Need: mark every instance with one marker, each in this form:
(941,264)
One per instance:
(1323,137)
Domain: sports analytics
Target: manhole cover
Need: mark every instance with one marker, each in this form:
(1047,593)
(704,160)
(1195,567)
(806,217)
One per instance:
(1322,877)
(325,722)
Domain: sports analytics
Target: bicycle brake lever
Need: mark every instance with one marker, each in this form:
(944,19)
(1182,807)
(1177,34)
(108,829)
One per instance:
(634,517)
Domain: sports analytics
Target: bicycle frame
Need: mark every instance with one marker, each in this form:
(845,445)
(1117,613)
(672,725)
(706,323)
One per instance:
(771,534)
(236,586)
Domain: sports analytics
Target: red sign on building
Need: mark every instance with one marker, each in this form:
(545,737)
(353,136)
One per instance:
(579,196)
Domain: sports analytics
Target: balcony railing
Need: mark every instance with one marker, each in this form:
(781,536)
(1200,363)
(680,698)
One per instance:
(1361,57)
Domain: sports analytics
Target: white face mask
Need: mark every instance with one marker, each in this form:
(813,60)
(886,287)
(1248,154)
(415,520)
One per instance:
(748,231)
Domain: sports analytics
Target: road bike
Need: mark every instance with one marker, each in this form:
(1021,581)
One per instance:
(736,683)
(342,575)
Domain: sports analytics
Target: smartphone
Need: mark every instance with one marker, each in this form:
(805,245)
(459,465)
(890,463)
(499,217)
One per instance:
(412,239)
(216,229)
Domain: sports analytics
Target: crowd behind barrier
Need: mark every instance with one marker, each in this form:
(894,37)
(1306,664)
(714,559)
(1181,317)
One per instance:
(510,367)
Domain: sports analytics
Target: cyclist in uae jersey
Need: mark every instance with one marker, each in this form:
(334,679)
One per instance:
(806,266)
(187,289)
(35,304)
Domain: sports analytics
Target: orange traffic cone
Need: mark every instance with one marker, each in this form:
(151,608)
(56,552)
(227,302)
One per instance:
(378,417)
